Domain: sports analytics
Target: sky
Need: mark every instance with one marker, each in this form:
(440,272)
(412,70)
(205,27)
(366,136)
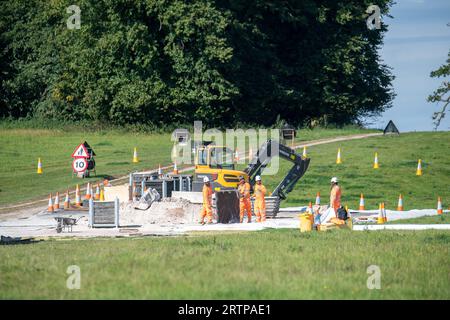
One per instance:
(417,42)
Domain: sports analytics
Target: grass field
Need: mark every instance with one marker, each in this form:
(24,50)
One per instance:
(397,156)
(273,264)
(20,149)
(270,264)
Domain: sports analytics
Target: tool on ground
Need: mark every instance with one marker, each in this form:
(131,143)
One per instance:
(78,196)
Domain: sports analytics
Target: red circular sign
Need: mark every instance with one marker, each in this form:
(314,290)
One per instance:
(79,164)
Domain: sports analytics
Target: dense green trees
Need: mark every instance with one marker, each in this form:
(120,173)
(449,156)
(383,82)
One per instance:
(165,61)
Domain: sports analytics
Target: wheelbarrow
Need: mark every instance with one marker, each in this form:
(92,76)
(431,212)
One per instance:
(64,223)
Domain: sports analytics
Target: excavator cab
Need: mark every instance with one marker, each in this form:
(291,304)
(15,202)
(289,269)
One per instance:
(216,163)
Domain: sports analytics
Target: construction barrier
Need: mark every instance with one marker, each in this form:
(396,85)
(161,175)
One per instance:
(104,214)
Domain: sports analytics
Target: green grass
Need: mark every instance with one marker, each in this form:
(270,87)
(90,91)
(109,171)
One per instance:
(397,156)
(20,148)
(278,264)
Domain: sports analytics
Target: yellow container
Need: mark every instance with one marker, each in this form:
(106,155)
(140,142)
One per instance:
(306,222)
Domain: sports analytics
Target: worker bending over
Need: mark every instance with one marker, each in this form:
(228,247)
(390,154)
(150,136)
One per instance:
(260,202)
(335,195)
(244,200)
(207,201)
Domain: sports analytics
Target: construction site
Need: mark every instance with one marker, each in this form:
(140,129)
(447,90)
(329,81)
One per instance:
(224,150)
(169,201)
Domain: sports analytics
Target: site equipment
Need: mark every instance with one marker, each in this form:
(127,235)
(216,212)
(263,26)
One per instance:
(216,163)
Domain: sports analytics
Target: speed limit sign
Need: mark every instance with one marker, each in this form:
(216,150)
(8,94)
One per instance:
(79,164)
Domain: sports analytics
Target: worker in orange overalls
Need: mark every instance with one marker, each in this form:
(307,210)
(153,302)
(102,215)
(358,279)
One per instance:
(207,201)
(260,202)
(335,195)
(244,200)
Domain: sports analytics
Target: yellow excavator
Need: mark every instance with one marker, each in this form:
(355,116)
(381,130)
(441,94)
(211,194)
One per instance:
(218,164)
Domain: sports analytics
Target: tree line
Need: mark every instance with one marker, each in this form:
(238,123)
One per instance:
(225,62)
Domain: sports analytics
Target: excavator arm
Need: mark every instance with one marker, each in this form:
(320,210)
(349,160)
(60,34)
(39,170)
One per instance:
(266,152)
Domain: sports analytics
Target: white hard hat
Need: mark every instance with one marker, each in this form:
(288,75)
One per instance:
(258,178)
(205,179)
(334,180)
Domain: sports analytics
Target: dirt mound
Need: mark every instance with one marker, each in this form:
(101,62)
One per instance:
(166,211)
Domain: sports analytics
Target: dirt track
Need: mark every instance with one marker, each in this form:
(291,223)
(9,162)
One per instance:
(25,209)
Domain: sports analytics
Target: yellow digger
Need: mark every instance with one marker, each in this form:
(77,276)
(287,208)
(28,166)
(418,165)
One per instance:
(217,163)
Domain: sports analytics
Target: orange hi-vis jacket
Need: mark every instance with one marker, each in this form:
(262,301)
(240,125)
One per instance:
(244,191)
(207,196)
(207,204)
(260,192)
(335,197)
(260,202)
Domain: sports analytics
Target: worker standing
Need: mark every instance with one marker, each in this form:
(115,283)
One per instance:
(335,195)
(260,202)
(244,200)
(207,201)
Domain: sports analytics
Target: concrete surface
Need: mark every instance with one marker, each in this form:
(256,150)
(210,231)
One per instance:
(42,224)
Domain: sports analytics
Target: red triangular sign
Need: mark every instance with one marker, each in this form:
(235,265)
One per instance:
(80,152)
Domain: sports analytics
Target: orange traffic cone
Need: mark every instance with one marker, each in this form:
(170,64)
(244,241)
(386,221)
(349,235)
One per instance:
(39,168)
(67,201)
(78,196)
(97,192)
(419,168)
(304,155)
(318,198)
(135,156)
(56,205)
(375,162)
(400,203)
(439,206)
(50,204)
(380,219)
(175,168)
(88,191)
(361,203)
(338,158)
(384,212)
